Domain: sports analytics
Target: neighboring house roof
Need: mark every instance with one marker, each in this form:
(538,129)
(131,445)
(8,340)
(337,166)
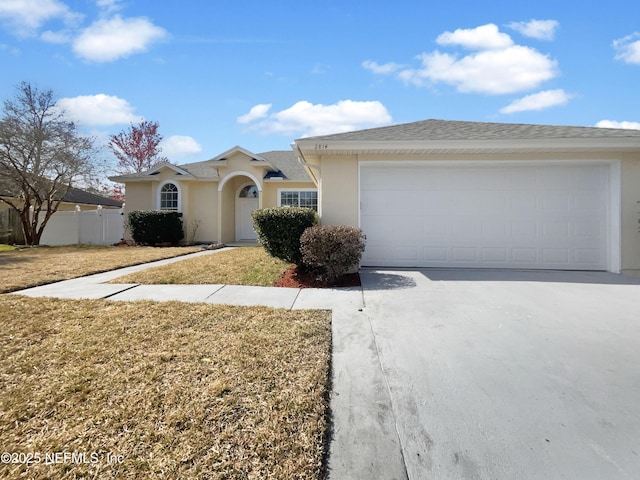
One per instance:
(74,195)
(433,136)
(279,164)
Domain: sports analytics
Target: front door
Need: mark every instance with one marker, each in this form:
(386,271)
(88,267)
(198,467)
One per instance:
(246,203)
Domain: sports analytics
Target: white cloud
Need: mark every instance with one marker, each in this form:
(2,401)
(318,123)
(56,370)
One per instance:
(179,145)
(614,124)
(98,110)
(27,16)
(256,113)
(109,6)
(307,119)
(383,69)
(111,39)
(510,70)
(538,101)
(539,29)
(497,66)
(628,48)
(49,36)
(484,37)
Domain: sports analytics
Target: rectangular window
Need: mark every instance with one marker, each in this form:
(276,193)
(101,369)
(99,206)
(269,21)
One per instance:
(298,198)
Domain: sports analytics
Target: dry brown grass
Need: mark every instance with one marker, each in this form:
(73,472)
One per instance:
(30,267)
(206,391)
(240,266)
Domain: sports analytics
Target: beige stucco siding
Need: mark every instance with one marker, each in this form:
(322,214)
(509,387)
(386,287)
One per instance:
(203,203)
(630,214)
(138,197)
(338,195)
(226,210)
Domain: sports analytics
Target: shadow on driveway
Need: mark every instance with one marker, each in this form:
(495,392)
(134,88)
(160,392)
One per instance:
(393,278)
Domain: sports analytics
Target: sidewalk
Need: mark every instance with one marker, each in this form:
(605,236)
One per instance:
(95,286)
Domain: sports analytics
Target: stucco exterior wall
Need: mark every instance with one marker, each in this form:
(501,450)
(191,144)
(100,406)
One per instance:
(137,197)
(203,210)
(227,211)
(630,214)
(338,191)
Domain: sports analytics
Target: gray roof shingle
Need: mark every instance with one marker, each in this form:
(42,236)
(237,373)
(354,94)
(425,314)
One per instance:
(74,195)
(462,130)
(287,163)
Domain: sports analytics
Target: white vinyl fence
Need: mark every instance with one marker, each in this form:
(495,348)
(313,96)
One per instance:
(100,226)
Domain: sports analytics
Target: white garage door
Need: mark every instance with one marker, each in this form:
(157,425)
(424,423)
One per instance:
(491,216)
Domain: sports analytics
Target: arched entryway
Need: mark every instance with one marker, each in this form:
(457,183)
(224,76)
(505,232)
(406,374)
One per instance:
(239,194)
(247,200)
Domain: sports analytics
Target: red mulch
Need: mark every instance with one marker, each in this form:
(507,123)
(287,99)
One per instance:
(294,278)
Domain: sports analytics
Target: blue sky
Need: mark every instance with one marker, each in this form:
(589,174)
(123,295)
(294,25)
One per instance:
(260,74)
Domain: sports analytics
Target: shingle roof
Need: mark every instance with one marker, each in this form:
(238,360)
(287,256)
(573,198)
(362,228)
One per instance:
(287,163)
(74,195)
(461,130)
(202,169)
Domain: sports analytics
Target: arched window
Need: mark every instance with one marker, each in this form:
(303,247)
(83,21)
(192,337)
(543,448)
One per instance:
(169,197)
(250,191)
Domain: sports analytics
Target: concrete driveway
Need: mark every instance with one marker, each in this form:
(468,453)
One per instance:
(462,374)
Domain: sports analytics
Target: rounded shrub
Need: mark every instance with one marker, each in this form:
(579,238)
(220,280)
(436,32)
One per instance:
(332,250)
(153,227)
(279,230)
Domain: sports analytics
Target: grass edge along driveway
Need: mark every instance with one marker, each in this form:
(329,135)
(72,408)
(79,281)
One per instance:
(208,391)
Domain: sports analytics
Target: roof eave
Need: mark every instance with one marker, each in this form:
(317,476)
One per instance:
(317,147)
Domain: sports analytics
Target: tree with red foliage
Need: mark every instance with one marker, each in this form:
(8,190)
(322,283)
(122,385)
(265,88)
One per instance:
(138,148)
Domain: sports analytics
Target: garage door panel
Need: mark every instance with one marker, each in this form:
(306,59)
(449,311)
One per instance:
(465,255)
(534,216)
(524,256)
(523,232)
(523,202)
(594,178)
(494,229)
(435,255)
(494,255)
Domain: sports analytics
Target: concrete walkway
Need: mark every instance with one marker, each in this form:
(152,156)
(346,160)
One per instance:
(95,286)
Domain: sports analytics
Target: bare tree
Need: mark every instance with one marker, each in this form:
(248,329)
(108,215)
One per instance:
(41,156)
(138,148)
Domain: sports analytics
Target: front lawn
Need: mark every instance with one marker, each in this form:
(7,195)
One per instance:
(240,266)
(29,267)
(157,390)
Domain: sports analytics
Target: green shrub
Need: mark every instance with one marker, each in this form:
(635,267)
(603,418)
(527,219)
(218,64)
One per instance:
(332,250)
(153,227)
(279,230)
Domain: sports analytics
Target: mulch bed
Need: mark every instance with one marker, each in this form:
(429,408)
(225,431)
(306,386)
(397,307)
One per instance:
(296,278)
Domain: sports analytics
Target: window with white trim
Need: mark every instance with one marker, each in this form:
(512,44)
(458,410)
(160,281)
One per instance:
(169,197)
(298,198)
